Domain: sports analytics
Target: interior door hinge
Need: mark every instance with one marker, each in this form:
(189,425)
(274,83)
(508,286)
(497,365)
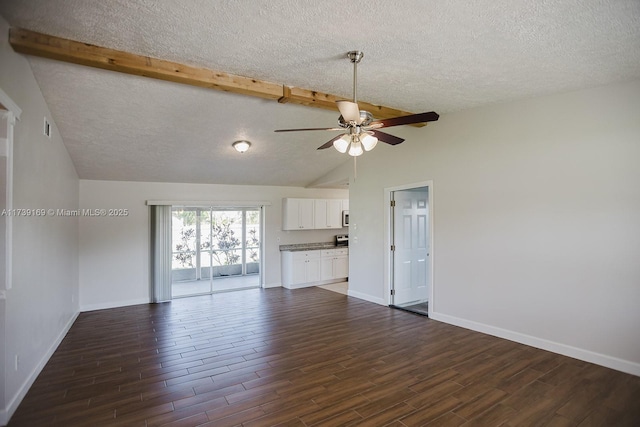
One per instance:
(393,203)
(393,248)
(393,292)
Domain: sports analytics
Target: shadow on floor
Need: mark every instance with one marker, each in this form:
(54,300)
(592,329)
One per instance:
(421,308)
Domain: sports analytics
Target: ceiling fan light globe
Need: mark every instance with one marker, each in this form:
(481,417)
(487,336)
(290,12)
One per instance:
(342,144)
(368,141)
(356,149)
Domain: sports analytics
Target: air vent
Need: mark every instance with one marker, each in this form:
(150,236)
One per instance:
(47,128)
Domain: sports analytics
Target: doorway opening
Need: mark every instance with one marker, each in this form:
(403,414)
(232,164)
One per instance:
(215,250)
(410,261)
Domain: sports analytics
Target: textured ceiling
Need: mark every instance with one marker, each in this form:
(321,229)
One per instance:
(420,55)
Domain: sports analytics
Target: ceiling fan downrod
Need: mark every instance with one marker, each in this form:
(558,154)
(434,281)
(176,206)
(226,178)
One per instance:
(355,56)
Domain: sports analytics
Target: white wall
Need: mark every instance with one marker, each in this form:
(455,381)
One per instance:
(536,220)
(43,299)
(114,252)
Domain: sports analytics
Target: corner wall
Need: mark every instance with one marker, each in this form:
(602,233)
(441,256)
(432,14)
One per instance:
(42,301)
(114,252)
(536,220)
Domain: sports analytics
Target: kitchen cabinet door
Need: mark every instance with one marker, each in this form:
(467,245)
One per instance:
(341,267)
(328,213)
(298,271)
(326,265)
(335,264)
(334,214)
(300,268)
(313,270)
(320,213)
(297,214)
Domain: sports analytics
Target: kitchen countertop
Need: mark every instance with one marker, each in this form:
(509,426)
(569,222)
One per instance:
(309,246)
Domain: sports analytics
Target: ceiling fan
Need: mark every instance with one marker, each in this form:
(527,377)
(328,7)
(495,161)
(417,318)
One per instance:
(360,129)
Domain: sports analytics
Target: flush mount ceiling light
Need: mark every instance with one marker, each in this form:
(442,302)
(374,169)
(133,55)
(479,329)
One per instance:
(360,129)
(241,146)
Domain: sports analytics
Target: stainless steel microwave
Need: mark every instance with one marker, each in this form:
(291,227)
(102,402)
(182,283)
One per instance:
(345,218)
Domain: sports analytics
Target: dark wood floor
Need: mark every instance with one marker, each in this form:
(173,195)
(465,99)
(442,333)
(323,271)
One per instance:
(310,357)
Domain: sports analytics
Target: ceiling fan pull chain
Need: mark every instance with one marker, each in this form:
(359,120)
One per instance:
(355,168)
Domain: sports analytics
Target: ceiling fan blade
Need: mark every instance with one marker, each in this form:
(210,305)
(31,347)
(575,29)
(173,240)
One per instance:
(385,137)
(405,120)
(302,130)
(329,143)
(350,111)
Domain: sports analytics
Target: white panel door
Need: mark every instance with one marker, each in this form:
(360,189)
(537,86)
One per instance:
(411,241)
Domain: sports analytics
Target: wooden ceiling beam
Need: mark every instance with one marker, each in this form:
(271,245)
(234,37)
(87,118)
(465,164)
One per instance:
(43,45)
(47,46)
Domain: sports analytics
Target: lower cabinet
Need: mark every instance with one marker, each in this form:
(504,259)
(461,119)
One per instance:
(311,268)
(305,267)
(334,264)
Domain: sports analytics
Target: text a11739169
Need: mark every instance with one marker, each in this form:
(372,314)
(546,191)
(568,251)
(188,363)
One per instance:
(62,212)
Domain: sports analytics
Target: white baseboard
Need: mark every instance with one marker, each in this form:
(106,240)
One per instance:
(271,285)
(5,414)
(566,350)
(102,306)
(366,297)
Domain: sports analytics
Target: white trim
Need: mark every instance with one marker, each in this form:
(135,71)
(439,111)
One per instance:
(388,271)
(10,117)
(208,203)
(5,414)
(271,285)
(366,297)
(555,347)
(8,103)
(4,147)
(263,238)
(102,306)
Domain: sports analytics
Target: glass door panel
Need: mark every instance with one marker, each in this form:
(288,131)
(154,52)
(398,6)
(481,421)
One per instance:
(252,242)
(184,239)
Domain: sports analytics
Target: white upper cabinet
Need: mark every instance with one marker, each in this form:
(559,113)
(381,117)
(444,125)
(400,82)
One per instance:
(328,213)
(307,214)
(298,214)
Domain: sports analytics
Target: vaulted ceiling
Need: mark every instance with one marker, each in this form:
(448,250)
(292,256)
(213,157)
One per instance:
(420,55)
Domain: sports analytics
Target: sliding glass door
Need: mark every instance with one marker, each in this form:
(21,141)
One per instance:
(215,249)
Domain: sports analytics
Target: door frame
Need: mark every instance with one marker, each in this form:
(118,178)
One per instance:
(388,226)
(9,112)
